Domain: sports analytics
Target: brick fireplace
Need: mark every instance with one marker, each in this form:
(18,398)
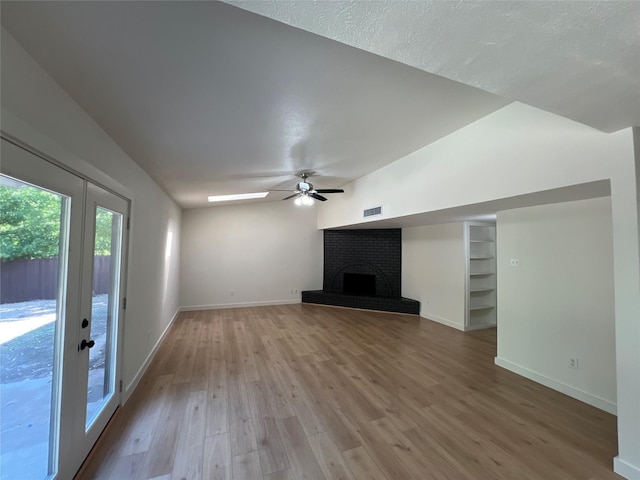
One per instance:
(362,269)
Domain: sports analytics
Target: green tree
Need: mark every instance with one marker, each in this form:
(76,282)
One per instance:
(29,222)
(104,222)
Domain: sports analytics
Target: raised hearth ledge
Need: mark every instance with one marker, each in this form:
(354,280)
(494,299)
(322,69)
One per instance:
(382,304)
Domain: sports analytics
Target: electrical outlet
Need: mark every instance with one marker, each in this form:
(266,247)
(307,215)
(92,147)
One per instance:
(231,293)
(515,262)
(573,363)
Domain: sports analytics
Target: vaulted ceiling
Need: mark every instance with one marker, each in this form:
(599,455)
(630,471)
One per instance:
(212,99)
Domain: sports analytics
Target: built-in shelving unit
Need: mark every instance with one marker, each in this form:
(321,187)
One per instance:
(480,244)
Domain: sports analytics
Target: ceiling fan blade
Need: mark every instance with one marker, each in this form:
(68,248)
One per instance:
(279,190)
(317,197)
(330,190)
(290,196)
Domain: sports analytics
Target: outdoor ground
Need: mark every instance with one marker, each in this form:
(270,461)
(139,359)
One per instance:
(27,332)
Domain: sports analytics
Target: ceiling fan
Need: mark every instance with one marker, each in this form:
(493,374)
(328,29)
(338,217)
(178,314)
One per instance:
(304,192)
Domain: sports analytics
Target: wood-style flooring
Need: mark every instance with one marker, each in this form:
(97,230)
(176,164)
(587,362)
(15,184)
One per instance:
(311,392)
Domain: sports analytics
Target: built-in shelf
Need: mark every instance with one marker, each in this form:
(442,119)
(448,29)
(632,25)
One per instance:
(481,307)
(481,276)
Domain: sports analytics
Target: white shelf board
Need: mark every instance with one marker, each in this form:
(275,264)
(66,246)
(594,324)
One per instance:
(482,307)
(480,241)
(478,274)
(485,289)
(481,258)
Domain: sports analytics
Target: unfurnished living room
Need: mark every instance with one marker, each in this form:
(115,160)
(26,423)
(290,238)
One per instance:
(290,240)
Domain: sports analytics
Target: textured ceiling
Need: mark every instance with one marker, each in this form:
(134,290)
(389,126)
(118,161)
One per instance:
(211,99)
(578,59)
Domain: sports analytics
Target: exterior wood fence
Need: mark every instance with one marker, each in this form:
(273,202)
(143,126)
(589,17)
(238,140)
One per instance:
(24,280)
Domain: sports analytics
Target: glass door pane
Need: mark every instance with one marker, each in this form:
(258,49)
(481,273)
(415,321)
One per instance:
(101,383)
(33,245)
(101,307)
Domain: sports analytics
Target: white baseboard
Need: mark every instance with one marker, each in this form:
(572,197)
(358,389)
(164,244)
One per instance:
(141,371)
(443,321)
(573,392)
(625,469)
(190,308)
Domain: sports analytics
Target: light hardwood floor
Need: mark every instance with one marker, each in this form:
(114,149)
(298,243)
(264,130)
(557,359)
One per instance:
(310,392)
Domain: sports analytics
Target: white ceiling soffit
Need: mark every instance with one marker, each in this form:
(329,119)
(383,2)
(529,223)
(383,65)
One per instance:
(211,99)
(486,212)
(577,59)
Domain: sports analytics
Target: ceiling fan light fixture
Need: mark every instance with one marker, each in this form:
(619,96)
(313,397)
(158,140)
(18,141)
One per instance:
(237,196)
(304,192)
(303,200)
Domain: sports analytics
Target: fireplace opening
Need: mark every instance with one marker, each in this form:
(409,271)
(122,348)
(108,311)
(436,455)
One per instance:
(359,284)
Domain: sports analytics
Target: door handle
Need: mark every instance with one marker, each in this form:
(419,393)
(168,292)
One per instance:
(84,344)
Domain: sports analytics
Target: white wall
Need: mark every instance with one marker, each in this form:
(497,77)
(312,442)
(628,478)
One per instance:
(260,251)
(560,303)
(39,113)
(433,271)
(515,151)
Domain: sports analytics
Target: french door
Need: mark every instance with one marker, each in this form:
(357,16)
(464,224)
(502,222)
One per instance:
(63,249)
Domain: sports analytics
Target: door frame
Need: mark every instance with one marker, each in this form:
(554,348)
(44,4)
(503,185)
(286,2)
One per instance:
(70,459)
